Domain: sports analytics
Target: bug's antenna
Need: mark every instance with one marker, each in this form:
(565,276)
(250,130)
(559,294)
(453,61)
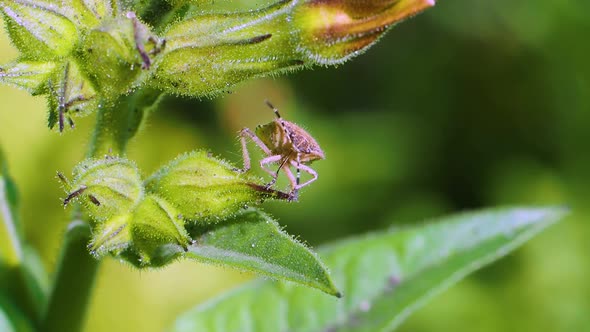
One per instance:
(273,108)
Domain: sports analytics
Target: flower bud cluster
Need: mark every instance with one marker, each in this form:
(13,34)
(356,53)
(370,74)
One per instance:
(86,54)
(145,222)
(82,54)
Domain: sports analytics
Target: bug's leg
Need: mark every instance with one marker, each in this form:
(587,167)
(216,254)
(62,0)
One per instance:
(276,174)
(245,155)
(293,195)
(298,171)
(307,169)
(294,181)
(268,160)
(247,133)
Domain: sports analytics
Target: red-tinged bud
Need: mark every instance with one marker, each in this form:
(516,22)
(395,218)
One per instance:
(334,30)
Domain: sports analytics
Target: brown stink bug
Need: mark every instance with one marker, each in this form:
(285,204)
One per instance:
(285,144)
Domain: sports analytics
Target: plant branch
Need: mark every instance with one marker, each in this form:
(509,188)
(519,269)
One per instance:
(74,282)
(76,271)
(117,124)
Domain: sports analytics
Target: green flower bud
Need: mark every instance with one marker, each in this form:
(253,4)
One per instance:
(115,53)
(153,234)
(156,224)
(40,30)
(106,187)
(332,31)
(205,189)
(111,236)
(28,75)
(208,53)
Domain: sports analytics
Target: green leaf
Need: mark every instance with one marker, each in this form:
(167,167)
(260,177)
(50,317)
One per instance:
(22,277)
(36,276)
(28,75)
(39,29)
(12,319)
(252,241)
(386,276)
(11,247)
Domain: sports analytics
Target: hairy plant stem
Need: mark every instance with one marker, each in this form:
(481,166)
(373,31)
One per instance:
(117,124)
(74,280)
(76,270)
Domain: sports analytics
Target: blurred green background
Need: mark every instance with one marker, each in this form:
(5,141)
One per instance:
(472,104)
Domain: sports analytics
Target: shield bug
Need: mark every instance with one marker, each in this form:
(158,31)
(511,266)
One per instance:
(286,144)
